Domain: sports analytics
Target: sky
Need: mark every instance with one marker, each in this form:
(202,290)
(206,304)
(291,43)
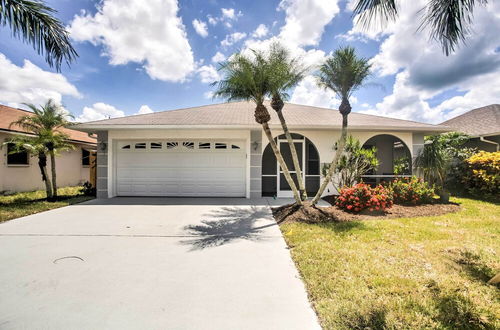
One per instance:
(139,56)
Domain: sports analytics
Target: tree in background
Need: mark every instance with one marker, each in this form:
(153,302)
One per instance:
(45,124)
(343,73)
(449,20)
(34,23)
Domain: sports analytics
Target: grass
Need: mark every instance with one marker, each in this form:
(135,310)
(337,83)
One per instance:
(26,203)
(407,273)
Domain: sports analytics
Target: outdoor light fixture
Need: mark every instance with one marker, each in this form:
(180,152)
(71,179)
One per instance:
(255,145)
(103,146)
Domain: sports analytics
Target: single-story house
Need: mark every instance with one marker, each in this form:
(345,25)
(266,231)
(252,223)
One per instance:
(20,171)
(219,149)
(482,124)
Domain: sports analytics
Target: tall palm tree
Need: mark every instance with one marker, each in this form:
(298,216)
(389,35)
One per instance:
(35,146)
(248,78)
(45,123)
(34,23)
(449,20)
(343,73)
(287,72)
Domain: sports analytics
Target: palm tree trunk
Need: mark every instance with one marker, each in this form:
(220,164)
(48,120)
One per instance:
(42,164)
(282,163)
(295,158)
(333,164)
(53,169)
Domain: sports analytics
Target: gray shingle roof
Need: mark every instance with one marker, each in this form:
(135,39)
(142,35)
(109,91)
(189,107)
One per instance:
(241,114)
(477,122)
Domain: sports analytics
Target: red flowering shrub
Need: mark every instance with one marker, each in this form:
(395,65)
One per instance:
(361,196)
(411,191)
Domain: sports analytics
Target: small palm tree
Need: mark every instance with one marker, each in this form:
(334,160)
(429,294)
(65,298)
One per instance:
(248,78)
(35,146)
(287,72)
(343,73)
(34,23)
(449,21)
(45,123)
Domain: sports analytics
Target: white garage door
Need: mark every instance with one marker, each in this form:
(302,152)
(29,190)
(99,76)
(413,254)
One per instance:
(181,168)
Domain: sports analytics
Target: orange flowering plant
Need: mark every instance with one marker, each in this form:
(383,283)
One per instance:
(361,196)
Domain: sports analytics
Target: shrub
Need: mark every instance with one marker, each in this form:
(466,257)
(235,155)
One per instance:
(411,191)
(361,196)
(88,189)
(482,175)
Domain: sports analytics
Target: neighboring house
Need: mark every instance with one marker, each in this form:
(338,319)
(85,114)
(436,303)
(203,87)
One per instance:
(20,171)
(219,150)
(482,124)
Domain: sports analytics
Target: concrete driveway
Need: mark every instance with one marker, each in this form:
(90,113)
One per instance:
(150,263)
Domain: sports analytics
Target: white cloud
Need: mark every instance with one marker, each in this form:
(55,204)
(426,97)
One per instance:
(208,74)
(260,31)
(144,109)
(99,111)
(423,72)
(30,84)
(230,14)
(200,27)
(306,19)
(211,20)
(146,32)
(208,95)
(308,93)
(218,57)
(232,38)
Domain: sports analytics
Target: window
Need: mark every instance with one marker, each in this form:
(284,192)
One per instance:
(219,145)
(18,158)
(140,145)
(172,145)
(155,145)
(204,145)
(85,157)
(188,145)
(126,146)
(234,146)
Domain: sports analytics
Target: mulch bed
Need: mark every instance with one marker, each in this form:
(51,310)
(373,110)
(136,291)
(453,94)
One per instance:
(318,214)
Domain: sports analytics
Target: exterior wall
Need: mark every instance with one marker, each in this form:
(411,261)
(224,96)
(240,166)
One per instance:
(15,178)
(256,164)
(102,165)
(417,146)
(112,136)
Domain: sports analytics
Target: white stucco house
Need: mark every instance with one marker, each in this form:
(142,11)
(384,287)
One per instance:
(20,171)
(219,150)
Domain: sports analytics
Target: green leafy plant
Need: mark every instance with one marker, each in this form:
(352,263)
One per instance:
(361,196)
(88,189)
(402,165)
(354,162)
(411,191)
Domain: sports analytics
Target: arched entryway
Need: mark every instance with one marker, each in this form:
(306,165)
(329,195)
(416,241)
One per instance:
(273,181)
(393,155)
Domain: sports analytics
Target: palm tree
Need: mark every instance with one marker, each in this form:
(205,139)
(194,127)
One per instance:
(35,146)
(34,23)
(449,20)
(343,73)
(286,73)
(248,78)
(45,123)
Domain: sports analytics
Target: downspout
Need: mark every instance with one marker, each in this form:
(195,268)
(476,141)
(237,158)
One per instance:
(481,138)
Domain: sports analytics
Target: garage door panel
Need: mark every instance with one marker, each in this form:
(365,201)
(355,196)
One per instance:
(181,172)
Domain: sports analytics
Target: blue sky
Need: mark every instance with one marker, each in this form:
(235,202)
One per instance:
(157,55)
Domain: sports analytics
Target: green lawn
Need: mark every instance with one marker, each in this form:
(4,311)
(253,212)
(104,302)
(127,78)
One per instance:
(414,273)
(26,203)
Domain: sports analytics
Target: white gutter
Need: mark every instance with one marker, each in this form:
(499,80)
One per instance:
(481,138)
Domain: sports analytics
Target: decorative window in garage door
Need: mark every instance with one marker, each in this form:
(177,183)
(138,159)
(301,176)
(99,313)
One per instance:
(183,145)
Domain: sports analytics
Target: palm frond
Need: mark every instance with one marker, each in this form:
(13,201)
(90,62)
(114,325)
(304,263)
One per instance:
(450,21)
(34,23)
(371,10)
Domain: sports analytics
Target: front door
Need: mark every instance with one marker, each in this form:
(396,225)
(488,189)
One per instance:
(284,189)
